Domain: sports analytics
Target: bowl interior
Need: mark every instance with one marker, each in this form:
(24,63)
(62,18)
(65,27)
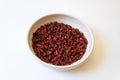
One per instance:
(66,20)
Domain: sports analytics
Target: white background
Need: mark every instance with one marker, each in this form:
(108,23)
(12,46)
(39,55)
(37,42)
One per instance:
(16,17)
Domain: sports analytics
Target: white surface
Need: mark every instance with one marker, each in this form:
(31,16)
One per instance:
(102,16)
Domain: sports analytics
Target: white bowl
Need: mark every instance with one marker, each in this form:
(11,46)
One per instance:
(67,20)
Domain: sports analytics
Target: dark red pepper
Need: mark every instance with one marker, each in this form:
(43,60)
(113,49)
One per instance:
(59,43)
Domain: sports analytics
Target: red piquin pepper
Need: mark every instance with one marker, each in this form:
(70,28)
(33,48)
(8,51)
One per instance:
(59,43)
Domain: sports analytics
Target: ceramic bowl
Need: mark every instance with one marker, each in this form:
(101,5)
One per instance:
(66,19)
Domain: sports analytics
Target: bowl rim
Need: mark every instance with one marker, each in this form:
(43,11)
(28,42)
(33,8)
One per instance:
(66,66)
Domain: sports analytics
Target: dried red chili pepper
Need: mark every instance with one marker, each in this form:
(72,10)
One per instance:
(59,43)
